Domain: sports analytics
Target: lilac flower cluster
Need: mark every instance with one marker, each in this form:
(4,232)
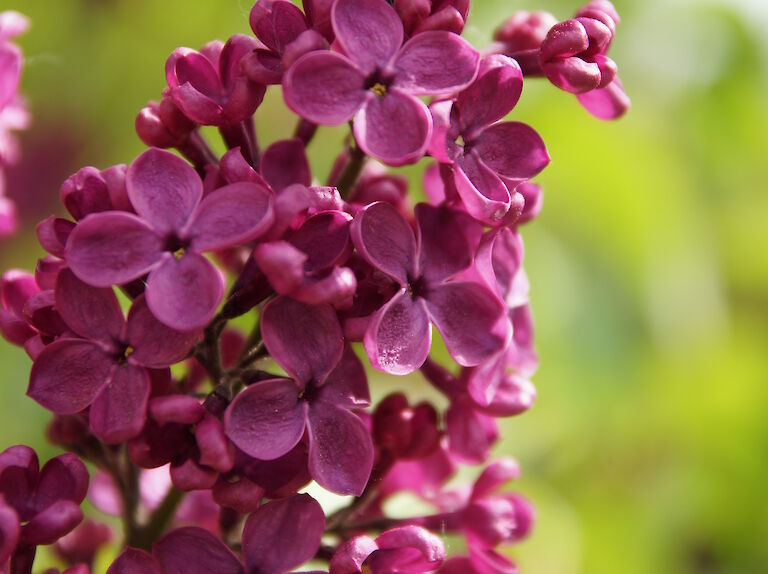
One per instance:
(204,437)
(13,110)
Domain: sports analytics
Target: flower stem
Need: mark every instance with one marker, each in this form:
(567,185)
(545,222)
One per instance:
(352,171)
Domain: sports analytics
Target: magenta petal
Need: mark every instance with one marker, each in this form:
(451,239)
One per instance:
(406,549)
(347,384)
(369,31)
(471,319)
(399,335)
(324,237)
(492,96)
(234,214)
(483,193)
(335,288)
(564,39)
(277,23)
(573,75)
(470,432)
(64,477)
(283,265)
(350,555)
(112,248)
(193,550)
(119,410)
(340,449)
(267,419)
(324,87)
(52,523)
(135,561)
(513,150)
(394,128)
(444,248)
(90,312)
(9,531)
(495,475)
(285,163)
(435,63)
(607,103)
(163,188)
(386,241)
(215,450)
(154,344)
(306,340)
(68,374)
(283,534)
(184,293)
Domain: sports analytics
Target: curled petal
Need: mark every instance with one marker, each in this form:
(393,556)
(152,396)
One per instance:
(112,248)
(68,374)
(154,344)
(193,550)
(563,40)
(180,409)
(399,335)
(283,534)
(324,87)
(607,103)
(349,557)
(483,193)
(119,410)
(495,475)
(435,63)
(573,75)
(513,150)
(283,265)
(369,31)
(407,549)
(334,288)
(52,523)
(90,312)
(340,449)
(471,319)
(164,189)
(267,419)
(386,241)
(394,128)
(184,293)
(305,340)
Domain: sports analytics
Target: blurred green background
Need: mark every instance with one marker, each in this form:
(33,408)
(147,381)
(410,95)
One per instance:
(647,450)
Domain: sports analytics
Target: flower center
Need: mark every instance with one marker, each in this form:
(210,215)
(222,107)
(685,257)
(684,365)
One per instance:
(378,83)
(416,287)
(176,245)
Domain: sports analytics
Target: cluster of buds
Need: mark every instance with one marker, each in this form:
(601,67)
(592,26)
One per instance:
(204,435)
(13,111)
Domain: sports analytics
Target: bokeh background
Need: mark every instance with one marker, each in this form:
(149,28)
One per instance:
(647,450)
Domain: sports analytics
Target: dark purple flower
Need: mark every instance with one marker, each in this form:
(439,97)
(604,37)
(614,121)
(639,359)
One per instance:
(489,158)
(107,367)
(403,431)
(407,549)
(92,191)
(375,79)
(468,315)
(209,87)
(16,289)
(174,226)
(46,501)
(269,418)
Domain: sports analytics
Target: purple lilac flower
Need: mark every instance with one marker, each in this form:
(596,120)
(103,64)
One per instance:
(488,158)
(468,315)
(423,15)
(106,365)
(174,226)
(269,418)
(375,79)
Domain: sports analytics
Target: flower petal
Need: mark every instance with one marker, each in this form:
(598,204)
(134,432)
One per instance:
(306,340)
(470,432)
(407,549)
(64,477)
(471,319)
(285,162)
(483,193)
(231,215)
(607,103)
(163,189)
(386,241)
(48,526)
(324,237)
(267,419)
(283,534)
(394,128)
(68,374)
(112,248)
(135,561)
(324,87)
(369,31)
(444,248)
(184,293)
(90,312)
(347,384)
(155,345)
(435,63)
(193,550)
(9,531)
(399,335)
(513,150)
(119,410)
(340,449)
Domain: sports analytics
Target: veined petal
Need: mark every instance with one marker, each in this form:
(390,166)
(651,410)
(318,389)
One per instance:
(435,63)
(324,87)
(90,312)
(267,419)
(394,128)
(231,215)
(513,150)
(192,550)
(68,374)
(163,189)
(399,335)
(112,248)
(386,241)
(471,319)
(340,449)
(369,31)
(154,344)
(119,410)
(306,340)
(184,293)
(492,96)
